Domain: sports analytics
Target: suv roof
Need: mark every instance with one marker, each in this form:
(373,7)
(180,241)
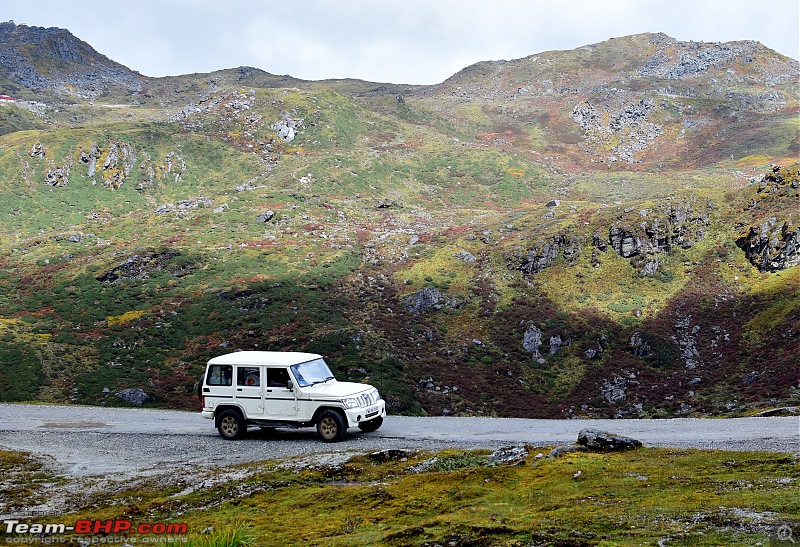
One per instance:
(277,358)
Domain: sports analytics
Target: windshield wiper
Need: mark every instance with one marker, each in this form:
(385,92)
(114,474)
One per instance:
(321,381)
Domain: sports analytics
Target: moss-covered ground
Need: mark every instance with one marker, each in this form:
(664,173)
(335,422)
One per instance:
(644,497)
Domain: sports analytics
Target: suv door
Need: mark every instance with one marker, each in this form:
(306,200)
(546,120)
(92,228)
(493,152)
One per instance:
(279,400)
(248,390)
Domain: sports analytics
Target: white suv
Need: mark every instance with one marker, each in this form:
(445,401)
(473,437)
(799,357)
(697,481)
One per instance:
(285,389)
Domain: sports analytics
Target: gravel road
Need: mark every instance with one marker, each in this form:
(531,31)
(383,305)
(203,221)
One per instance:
(86,441)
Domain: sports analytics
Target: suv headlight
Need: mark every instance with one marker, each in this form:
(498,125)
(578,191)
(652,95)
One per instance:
(350,403)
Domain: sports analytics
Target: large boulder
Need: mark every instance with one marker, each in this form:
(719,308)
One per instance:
(594,439)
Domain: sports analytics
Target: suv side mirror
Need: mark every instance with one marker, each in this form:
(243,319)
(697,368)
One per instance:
(289,385)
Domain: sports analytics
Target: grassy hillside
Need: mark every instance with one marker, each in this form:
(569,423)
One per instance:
(418,237)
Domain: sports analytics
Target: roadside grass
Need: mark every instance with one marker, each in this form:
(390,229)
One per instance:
(683,497)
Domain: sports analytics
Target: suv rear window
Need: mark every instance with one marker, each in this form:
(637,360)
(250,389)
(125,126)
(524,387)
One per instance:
(219,375)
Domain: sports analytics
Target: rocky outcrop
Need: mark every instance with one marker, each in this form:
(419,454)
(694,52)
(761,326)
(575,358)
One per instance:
(429,298)
(772,246)
(544,253)
(686,339)
(118,161)
(532,340)
(677,223)
(692,58)
(141,267)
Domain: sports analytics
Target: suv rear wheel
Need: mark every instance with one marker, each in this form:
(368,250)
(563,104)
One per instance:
(231,425)
(331,426)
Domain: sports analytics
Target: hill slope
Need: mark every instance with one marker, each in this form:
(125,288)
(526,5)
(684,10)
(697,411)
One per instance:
(589,232)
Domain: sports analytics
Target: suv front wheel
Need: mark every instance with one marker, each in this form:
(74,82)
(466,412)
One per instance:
(331,426)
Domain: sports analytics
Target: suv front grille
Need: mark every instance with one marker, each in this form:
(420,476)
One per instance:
(367,399)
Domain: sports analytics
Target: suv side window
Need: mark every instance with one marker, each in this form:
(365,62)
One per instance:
(219,375)
(248,376)
(277,377)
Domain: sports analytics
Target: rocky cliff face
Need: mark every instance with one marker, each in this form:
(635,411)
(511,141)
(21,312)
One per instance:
(53,59)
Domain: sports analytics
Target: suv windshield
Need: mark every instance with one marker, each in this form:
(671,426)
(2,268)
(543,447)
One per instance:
(312,372)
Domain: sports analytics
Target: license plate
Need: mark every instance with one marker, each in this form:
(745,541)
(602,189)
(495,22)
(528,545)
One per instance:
(372,410)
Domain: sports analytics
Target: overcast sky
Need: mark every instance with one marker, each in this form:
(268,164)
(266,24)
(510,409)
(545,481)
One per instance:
(398,41)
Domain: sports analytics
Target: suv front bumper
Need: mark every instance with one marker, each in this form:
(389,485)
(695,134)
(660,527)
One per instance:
(361,414)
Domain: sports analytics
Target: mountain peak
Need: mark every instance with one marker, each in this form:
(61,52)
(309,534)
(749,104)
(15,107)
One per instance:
(53,59)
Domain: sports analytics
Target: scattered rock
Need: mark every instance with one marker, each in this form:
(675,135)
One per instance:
(466,256)
(266,216)
(37,151)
